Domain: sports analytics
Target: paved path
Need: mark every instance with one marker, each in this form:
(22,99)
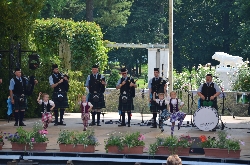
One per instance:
(237,127)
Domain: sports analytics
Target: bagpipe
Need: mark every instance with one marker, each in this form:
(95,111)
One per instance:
(30,84)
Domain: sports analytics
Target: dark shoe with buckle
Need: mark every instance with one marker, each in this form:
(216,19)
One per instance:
(121,125)
(16,124)
(22,124)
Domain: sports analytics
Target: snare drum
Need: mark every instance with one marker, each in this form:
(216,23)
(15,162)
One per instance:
(206,118)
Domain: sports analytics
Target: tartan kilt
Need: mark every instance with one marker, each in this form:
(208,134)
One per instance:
(97,105)
(128,106)
(60,103)
(19,105)
(177,116)
(46,116)
(85,116)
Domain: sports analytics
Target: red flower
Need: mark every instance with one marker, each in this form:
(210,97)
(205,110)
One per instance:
(203,138)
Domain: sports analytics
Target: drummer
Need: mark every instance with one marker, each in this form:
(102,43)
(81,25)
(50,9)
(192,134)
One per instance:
(209,92)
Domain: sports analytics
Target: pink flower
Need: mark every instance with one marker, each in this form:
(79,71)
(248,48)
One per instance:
(145,148)
(32,139)
(228,137)
(141,137)
(43,132)
(241,142)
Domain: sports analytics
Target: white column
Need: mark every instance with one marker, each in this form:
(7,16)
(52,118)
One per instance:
(152,62)
(164,63)
(170,77)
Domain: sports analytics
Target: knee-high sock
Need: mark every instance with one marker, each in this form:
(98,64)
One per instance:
(98,117)
(16,114)
(129,116)
(123,117)
(172,129)
(85,123)
(61,115)
(21,115)
(154,117)
(56,115)
(93,117)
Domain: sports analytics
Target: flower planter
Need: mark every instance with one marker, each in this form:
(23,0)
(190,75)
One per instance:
(26,147)
(179,151)
(126,150)
(76,148)
(221,153)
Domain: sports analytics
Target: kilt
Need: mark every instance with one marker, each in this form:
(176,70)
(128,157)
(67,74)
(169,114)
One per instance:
(60,102)
(18,105)
(97,104)
(128,106)
(177,116)
(85,116)
(46,116)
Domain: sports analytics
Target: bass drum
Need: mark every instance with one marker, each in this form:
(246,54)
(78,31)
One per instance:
(206,118)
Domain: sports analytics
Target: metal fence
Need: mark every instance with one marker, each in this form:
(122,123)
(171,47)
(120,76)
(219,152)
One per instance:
(235,103)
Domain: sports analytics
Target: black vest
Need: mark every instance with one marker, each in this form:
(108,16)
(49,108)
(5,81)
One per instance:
(174,108)
(163,106)
(45,108)
(157,86)
(95,84)
(60,87)
(208,91)
(19,87)
(130,91)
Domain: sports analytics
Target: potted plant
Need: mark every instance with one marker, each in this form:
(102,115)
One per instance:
(72,141)
(130,143)
(223,147)
(34,140)
(171,145)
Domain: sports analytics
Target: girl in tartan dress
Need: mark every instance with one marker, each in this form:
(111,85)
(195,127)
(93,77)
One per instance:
(47,107)
(85,108)
(175,105)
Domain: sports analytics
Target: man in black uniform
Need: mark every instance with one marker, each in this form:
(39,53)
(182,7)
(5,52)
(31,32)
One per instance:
(18,94)
(96,85)
(157,85)
(60,84)
(127,93)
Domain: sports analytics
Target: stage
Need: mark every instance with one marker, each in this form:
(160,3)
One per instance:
(237,127)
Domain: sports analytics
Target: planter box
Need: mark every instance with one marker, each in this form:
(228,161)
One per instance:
(76,148)
(221,153)
(126,150)
(26,147)
(179,151)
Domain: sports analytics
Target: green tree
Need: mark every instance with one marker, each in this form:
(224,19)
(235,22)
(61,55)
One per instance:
(113,78)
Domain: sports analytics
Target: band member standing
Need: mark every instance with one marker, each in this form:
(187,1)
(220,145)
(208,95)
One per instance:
(156,84)
(127,93)
(18,95)
(60,83)
(96,85)
(209,92)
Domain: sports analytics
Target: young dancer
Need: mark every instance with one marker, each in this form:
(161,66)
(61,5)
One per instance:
(85,108)
(175,105)
(162,109)
(47,107)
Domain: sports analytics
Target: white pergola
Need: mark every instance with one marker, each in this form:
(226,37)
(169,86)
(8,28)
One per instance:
(158,57)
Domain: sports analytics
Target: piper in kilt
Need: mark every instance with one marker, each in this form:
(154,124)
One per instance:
(156,84)
(18,95)
(60,83)
(47,106)
(96,85)
(127,93)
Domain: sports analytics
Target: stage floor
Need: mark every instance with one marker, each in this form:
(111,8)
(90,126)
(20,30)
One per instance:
(237,127)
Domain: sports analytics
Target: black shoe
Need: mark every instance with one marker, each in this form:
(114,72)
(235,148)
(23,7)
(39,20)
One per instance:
(16,124)
(22,124)
(129,125)
(121,125)
(99,124)
(154,126)
(55,124)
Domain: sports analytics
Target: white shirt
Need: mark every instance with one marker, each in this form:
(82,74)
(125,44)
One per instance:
(174,101)
(158,101)
(45,103)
